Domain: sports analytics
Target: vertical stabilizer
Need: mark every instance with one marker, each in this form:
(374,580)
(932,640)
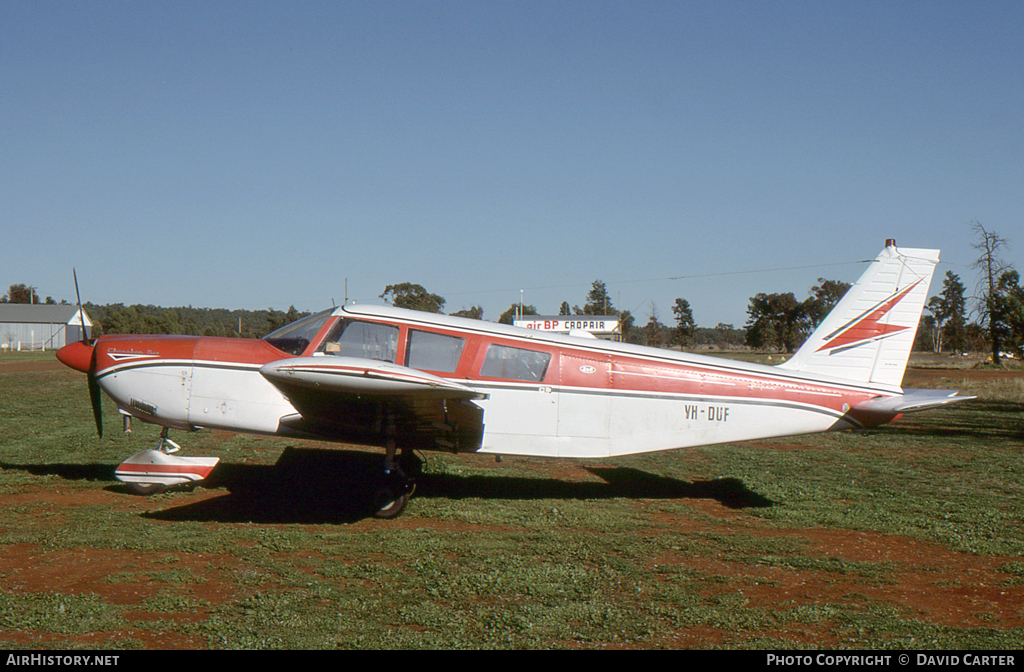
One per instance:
(869,334)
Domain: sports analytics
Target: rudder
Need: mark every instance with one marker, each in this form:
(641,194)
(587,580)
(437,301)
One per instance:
(868,336)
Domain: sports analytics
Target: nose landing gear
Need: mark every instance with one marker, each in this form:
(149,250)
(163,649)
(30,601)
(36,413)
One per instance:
(154,470)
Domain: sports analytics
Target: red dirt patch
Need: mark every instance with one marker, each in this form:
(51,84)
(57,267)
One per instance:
(930,582)
(120,577)
(935,583)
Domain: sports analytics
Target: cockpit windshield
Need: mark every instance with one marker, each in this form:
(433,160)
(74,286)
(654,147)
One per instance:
(294,338)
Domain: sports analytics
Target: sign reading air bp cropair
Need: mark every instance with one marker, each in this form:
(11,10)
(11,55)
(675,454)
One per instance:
(408,380)
(597,325)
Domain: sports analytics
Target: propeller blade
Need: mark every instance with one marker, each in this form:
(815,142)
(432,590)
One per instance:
(81,313)
(75,360)
(95,394)
(96,397)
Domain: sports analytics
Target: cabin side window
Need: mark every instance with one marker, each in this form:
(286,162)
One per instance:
(433,352)
(503,361)
(368,340)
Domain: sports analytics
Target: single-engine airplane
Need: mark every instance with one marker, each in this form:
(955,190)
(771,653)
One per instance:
(407,380)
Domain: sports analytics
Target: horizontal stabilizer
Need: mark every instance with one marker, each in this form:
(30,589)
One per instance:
(911,400)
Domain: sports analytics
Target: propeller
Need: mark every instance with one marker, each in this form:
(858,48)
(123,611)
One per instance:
(95,395)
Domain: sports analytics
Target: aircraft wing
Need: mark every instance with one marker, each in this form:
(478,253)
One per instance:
(911,400)
(355,375)
(358,399)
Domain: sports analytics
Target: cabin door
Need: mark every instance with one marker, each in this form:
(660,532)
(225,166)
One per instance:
(584,403)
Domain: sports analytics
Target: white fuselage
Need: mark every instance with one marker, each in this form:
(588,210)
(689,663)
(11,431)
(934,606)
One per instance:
(596,399)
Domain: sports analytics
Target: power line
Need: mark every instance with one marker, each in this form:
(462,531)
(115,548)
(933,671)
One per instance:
(673,277)
(768,270)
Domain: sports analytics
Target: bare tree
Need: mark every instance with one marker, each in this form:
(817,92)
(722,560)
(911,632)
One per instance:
(990,266)
(654,330)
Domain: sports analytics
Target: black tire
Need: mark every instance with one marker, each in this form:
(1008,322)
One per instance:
(147,489)
(390,502)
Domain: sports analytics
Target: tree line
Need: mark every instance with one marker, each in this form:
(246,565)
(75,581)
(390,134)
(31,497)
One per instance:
(781,322)
(137,319)
(991,319)
(778,321)
(682,332)
(117,318)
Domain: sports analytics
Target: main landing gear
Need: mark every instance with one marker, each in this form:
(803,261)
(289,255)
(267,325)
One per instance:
(392,495)
(154,470)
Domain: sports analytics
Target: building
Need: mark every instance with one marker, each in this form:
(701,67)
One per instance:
(598,326)
(25,326)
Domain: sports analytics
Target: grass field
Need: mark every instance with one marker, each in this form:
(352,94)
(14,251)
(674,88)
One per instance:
(906,537)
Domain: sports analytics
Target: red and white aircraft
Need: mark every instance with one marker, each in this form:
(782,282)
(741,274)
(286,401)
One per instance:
(407,380)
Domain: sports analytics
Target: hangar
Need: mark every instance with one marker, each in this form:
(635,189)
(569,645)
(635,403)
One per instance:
(25,326)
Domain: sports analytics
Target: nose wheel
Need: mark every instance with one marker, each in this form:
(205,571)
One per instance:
(152,471)
(147,489)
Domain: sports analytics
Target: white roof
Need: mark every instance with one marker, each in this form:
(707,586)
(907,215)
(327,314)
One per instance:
(29,313)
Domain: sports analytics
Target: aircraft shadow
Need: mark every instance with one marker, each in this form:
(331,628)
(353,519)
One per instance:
(989,420)
(619,482)
(309,486)
(337,486)
(71,472)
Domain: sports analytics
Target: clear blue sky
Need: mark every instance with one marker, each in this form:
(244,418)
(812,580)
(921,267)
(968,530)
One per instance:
(251,154)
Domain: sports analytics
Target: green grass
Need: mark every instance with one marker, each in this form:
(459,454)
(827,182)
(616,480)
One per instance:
(7,356)
(714,547)
(57,613)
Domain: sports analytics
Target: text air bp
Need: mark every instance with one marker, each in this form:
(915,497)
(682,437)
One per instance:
(709,412)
